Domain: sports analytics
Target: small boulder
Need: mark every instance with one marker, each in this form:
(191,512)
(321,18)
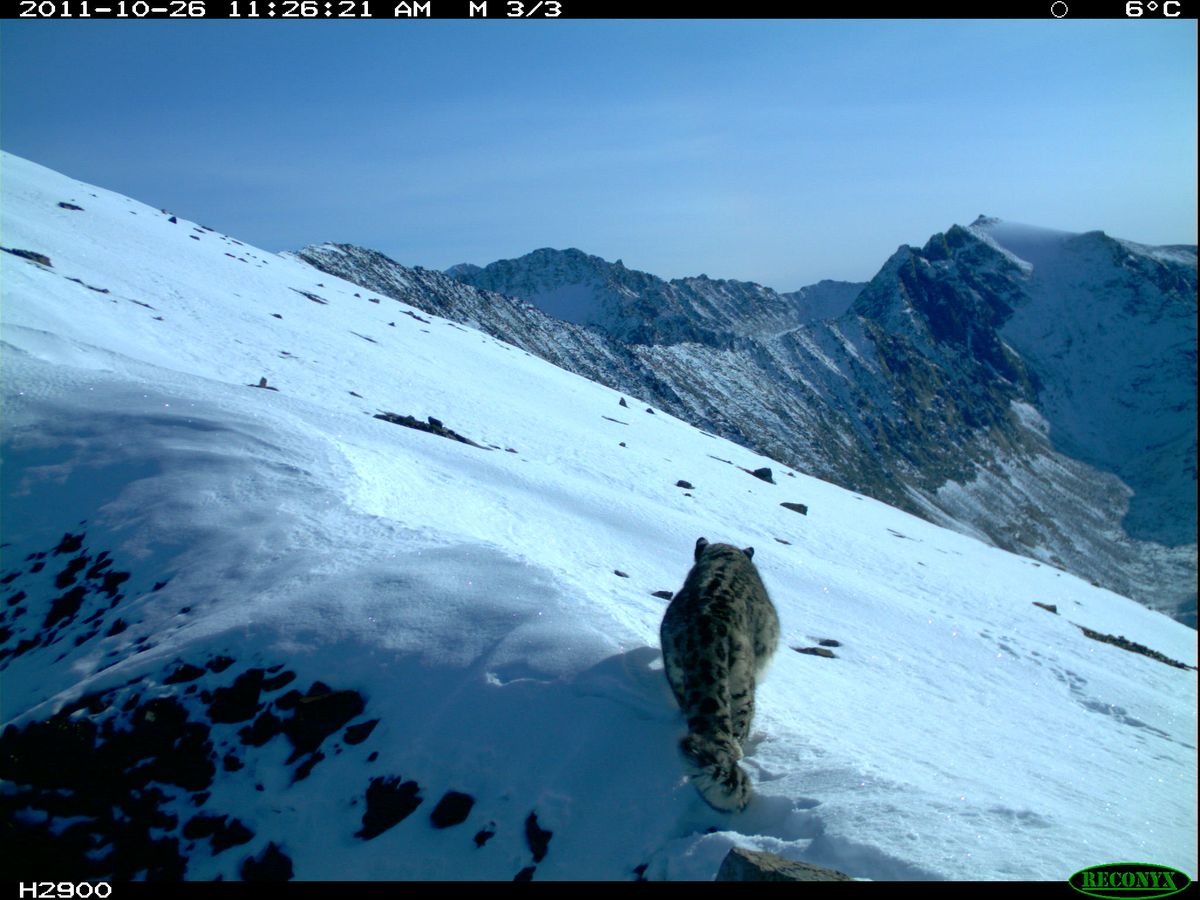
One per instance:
(752,865)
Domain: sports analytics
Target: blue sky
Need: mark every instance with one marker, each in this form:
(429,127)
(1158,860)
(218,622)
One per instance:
(781,152)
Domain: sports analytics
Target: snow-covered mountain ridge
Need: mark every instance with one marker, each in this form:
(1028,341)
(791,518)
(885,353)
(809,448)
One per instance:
(250,629)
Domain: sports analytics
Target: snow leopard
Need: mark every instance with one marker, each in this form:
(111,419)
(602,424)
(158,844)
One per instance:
(718,634)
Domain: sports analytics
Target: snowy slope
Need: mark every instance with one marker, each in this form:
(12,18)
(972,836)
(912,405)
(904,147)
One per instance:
(1048,409)
(310,619)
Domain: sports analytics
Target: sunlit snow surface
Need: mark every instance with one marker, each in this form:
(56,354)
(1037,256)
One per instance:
(470,594)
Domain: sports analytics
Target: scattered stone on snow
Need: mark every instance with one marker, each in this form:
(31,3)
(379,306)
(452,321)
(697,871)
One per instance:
(816,651)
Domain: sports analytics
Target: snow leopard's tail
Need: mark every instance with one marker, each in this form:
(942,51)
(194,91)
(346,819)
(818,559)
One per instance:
(715,773)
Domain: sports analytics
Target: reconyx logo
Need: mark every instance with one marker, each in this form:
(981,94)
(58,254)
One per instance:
(1138,881)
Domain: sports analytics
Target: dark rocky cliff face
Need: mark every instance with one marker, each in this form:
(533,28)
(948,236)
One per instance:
(913,395)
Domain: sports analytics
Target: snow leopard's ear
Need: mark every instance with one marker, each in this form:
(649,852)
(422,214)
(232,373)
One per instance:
(701,543)
(749,551)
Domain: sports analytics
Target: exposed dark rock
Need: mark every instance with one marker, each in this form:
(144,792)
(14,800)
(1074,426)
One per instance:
(313,297)
(65,607)
(664,595)
(184,673)
(620,574)
(796,507)
(319,714)
(782,541)
(66,205)
(389,801)
(452,809)
(88,770)
(686,485)
(356,734)
(526,874)
(1049,607)
(29,254)
(485,834)
(429,426)
(219,664)
(271,865)
(537,837)
(67,576)
(1132,646)
(112,581)
(274,683)
(764,474)
(816,651)
(238,702)
(623,403)
(222,835)
(752,865)
(102,562)
(265,727)
(69,543)
(829,642)
(305,768)
(173,220)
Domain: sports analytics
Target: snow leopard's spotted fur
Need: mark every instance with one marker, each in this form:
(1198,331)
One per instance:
(718,634)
